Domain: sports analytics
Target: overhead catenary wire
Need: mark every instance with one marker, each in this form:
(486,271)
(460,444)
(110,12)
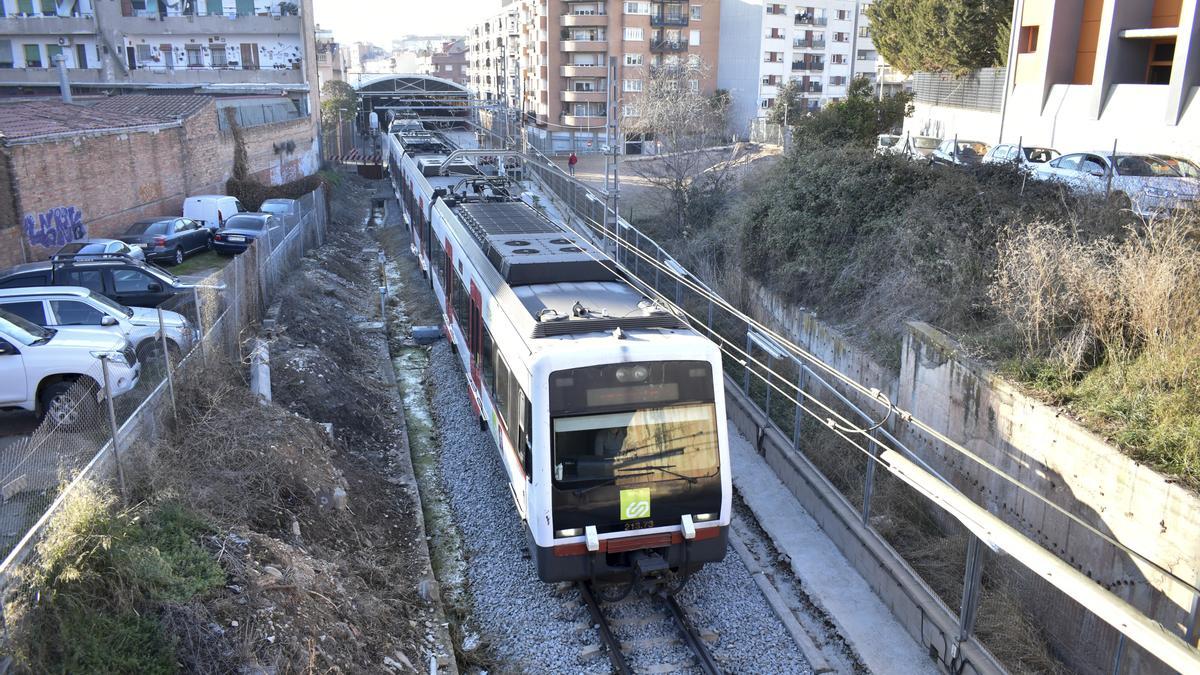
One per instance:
(873,394)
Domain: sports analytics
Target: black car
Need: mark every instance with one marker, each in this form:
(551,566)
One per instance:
(128,281)
(168,239)
(243,229)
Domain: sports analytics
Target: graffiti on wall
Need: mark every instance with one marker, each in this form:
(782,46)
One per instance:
(55,227)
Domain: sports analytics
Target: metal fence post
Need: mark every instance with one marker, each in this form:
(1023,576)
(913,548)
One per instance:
(746,373)
(770,369)
(112,424)
(162,336)
(972,578)
(710,315)
(1193,624)
(799,397)
(237,299)
(200,323)
(868,483)
(1119,655)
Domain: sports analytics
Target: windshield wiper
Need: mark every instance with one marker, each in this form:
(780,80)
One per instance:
(665,469)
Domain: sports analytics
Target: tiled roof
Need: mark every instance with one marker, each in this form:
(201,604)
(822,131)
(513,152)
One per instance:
(30,119)
(165,107)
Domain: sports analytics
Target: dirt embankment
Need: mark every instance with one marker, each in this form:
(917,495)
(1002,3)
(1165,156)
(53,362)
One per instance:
(261,541)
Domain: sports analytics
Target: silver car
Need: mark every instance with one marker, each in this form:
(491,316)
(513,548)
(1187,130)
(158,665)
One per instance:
(1153,186)
(286,210)
(1023,156)
(73,306)
(85,247)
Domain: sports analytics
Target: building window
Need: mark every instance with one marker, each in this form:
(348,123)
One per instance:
(866,55)
(634,34)
(864,32)
(195,57)
(841,37)
(629,111)
(837,58)
(694,39)
(52,51)
(1029,39)
(694,85)
(81,57)
(634,59)
(837,80)
(842,15)
(6,54)
(637,8)
(1162,55)
(632,85)
(33,56)
(220,58)
(696,12)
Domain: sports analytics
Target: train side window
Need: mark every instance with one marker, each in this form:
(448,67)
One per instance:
(526,440)
(462,307)
(511,413)
(435,260)
(488,365)
(502,378)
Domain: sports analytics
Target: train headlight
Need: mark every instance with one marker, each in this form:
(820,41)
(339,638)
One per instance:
(570,532)
(634,374)
(705,517)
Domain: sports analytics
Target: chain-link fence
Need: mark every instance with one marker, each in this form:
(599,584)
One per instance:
(978,607)
(128,396)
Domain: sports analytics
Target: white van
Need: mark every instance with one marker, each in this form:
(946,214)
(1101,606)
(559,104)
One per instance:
(212,210)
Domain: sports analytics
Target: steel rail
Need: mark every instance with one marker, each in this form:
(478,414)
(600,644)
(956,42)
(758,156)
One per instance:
(611,645)
(704,658)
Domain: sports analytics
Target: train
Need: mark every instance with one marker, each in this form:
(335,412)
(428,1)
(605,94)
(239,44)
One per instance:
(607,409)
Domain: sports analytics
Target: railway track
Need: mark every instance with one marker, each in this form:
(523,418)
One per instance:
(621,654)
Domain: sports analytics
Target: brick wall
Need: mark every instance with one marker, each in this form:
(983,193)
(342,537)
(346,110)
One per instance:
(95,185)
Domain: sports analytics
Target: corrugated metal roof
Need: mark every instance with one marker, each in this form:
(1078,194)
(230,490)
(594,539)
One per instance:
(30,119)
(164,107)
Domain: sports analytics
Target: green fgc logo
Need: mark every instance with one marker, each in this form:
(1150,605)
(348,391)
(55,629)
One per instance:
(635,503)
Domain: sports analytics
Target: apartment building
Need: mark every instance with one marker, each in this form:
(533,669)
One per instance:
(822,44)
(549,59)
(331,57)
(448,61)
(1084,75)
(189,46)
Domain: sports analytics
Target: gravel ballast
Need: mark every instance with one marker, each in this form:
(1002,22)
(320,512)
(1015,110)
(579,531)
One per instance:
(538,627)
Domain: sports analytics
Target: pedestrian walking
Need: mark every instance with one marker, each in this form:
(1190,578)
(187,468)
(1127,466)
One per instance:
(571,162)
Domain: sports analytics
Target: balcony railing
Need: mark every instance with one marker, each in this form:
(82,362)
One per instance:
(776,9)
(810,20)
(809,67)
(200,8)
(680,45)
(669,20)
(808,44)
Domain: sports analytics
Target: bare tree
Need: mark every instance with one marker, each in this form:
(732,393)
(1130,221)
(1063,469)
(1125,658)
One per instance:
(688,129)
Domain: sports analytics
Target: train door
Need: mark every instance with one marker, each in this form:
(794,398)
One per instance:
(475,336)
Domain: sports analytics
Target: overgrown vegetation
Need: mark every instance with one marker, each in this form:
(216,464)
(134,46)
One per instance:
(856,119)
(955,36)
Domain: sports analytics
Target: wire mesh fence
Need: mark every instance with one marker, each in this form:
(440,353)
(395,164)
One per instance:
(1003,605)
(90,421)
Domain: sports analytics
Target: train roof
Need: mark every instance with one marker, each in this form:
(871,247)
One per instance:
(571,308)
(526,247)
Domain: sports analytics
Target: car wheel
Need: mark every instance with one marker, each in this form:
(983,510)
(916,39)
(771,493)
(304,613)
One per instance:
(178,259)
(69,404)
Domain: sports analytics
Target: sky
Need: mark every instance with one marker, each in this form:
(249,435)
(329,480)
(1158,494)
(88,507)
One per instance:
(381,21)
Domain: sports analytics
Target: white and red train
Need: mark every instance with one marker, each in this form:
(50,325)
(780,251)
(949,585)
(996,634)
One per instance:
(608,412)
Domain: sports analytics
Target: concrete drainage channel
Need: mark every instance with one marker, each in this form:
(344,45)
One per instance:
(503,617)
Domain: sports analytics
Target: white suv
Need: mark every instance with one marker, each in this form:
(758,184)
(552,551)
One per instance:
(71,306)
(39,366)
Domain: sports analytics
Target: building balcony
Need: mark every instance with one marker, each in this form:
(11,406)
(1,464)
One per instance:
(810,20)
(584,71)
(808,67)
(47,25)
(583,45)
(583,20)
(584,121)
(569,96)
(669,20)
(680,45)
(204,75)
(808,44)
(48,76)
(217,24)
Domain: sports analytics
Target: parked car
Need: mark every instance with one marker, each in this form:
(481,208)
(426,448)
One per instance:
(243,229)
(286,210)
(86,246)
(1152,185)
(127,281)
(40,366)
(959,153)
(211,210)
(921,147)
(168,239)
(890,144)
(70,306)
(1022,156)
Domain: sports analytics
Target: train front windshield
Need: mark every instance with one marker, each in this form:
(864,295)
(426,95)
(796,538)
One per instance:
(633,423)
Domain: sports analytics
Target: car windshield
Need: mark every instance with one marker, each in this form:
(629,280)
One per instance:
(1186,168)
(240,223)
(23,331)
(274,208)
(148,227)
(1145,166)
(110,303)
